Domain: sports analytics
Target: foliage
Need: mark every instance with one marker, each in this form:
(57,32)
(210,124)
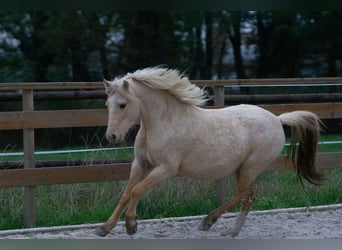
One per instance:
(47,46)
(88,45)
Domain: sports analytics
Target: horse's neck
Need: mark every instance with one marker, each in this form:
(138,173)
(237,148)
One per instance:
(158,107)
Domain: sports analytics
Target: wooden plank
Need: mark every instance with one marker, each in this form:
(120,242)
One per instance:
(269,81)
(323,161)
(29,163)
(51,85)
(329,160)
(284,98)
(236,98)
(221,184)
(323,110)
(119,171)
(221,82)
(64,175)
(218,95)
(7,165)
(53,119)
(57,95)
(98,117)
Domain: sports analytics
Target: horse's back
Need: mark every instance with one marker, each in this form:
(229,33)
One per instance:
(242,118)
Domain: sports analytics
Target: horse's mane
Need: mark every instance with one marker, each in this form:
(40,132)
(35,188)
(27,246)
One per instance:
(172,81)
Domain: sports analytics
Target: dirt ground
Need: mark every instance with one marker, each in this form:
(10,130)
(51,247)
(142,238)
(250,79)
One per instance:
(323,222)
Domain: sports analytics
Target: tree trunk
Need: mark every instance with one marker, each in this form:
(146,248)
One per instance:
(208,71)
(262,47)
(199,54)
(220,65)
(235,38)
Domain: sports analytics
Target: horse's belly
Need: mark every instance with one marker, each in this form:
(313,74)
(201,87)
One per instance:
(206,167)
(215,155)
(215,172)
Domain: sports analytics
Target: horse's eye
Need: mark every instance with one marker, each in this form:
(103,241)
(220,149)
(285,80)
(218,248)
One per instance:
(122,105)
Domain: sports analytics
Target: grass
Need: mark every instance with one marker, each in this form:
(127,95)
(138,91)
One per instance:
(118,153)
(331,147)
(94,202)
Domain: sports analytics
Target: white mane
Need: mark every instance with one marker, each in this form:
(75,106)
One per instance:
(172,81)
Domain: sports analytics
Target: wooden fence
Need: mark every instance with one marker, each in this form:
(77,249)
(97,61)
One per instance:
(28,120)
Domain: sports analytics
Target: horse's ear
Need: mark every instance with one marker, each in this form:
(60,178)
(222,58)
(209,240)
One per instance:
(107,85)
(125,85)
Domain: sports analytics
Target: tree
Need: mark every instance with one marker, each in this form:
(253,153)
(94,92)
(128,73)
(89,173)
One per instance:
(16,29)
(188,27)
(77,39)
(148,39)
(59,46)
(229,34)
(322,38)
(208,70)
(234,34)
(278,44)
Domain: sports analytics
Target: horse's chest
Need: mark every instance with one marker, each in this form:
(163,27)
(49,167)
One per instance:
(144,157)
(149,159)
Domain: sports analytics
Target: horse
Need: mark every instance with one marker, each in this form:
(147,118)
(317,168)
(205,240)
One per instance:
(179,137)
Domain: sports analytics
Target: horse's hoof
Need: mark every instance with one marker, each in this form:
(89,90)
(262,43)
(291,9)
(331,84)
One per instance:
(132,229)
(206,224)
(131,225)
(100,231)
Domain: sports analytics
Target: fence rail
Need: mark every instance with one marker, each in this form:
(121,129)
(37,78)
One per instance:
(98,117)
(28,120)
(52,119)
(227,82)
(117,172)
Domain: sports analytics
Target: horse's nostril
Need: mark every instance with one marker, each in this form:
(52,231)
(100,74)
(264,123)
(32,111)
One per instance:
(113,137)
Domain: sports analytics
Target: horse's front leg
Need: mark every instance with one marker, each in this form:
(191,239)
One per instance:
(156,176)
(137,173)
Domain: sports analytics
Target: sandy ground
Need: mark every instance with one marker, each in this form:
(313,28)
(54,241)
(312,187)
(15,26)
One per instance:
(323,222)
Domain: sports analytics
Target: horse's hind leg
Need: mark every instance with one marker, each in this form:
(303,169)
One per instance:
(213,216)
(244,197)
(246,204)
(137,173)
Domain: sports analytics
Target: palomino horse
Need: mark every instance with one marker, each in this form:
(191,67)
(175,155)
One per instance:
(176,137)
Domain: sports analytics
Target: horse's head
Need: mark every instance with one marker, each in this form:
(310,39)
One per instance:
(123,109)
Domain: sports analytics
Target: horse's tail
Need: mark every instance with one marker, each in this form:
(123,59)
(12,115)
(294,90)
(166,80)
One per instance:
(305,131)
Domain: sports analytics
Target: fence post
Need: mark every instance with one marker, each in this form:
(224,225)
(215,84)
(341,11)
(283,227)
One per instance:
(29,162)
(221,184)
